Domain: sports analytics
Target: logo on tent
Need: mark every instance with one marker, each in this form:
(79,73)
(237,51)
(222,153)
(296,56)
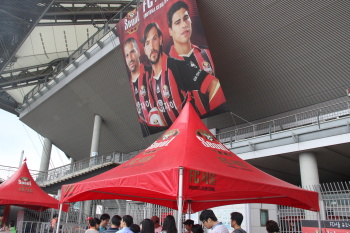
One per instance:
(165,139)
(208,140)
(24,181)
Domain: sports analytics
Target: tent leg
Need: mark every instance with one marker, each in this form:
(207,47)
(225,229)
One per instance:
(319,221)
(59,219)
(179,200)
(38,226)
(189,209)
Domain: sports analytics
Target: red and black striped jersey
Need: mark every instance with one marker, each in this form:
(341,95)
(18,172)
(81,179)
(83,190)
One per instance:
(200,58)
(142,95)
(170,87)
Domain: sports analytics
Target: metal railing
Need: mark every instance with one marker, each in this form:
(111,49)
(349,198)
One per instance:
(45,227)
(336,206)
(67,170)
(6,172)
(335,198)
(81,166)
(109,27)
(313,117)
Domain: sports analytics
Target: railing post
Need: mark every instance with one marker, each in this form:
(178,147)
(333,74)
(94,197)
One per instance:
(318,118)
(230,140)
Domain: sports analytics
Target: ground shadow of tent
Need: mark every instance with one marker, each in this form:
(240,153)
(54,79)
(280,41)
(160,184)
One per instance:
(188,165)
(21,190)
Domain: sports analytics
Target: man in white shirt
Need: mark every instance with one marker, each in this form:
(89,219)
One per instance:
(210,221)
(126,222)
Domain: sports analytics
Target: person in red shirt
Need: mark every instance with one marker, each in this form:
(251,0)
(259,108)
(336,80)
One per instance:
(171,78)
(139,81)
(180,29)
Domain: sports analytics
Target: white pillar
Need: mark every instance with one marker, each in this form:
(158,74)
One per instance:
(310,180)
(21,159)
(87,208)
(96,136)
(45,155)
(308,169)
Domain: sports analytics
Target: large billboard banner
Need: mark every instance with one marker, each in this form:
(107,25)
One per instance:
(167,58)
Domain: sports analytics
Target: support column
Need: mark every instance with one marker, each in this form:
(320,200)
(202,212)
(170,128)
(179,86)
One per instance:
(308,169)
(96,136)
(310,180)
(45,155)
(87,208)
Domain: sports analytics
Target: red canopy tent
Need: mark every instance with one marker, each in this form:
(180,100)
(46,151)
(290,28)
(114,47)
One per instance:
(21,190)
(188,165)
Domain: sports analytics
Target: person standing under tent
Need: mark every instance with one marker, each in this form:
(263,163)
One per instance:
(272,227)
(157,227)
(210,221)
(188,225)
(115,224)
(147,225)
(236,221)
(169,225)
(126,222)
(104,221)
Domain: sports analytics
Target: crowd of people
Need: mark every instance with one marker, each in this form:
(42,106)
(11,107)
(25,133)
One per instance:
(126,224)
(208,219)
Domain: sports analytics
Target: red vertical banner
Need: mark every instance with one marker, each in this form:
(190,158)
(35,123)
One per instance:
(167,58)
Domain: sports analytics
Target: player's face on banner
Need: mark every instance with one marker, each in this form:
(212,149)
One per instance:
(132,57)
(181,27)
(153,45)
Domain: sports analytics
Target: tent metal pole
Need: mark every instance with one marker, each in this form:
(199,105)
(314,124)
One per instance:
(59,219)
(189,209)
(319,221)
(40,215)
(179,200)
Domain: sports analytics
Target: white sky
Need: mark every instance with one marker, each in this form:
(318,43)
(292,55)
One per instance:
(16,136)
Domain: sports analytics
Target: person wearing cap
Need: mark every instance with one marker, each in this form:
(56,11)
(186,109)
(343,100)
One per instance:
(157,227)
(188,225)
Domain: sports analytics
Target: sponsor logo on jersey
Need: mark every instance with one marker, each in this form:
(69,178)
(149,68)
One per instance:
(166,92)
(192,64)
(207,67)
(197,75)
(143,90)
